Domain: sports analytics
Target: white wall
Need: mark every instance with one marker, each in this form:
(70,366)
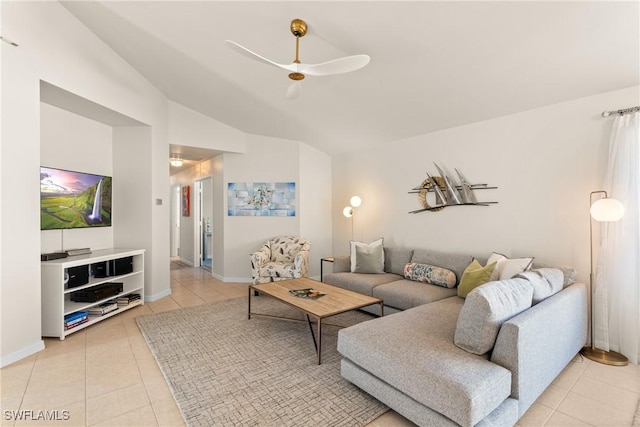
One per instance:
(545,162)
(54,47)
(266,160)
(191,128)
(72,142)
(315,207)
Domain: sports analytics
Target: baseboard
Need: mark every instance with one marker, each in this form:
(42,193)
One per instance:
(21,354)
(234,279)
(155,297)
(186,261)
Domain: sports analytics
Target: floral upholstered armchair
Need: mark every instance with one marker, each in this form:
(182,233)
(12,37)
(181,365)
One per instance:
(280,258)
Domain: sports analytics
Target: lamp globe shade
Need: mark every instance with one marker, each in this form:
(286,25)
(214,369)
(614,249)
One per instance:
(348,212)
(355,201)
(607,209)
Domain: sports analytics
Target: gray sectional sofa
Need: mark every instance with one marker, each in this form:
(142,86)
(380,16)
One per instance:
(409,359)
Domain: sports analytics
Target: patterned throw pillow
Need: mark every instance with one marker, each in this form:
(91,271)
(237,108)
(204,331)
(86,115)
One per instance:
(430,274)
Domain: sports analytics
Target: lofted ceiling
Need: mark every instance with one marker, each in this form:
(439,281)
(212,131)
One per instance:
(434,64)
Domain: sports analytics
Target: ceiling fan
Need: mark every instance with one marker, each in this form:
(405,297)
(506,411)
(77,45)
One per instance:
(297,69)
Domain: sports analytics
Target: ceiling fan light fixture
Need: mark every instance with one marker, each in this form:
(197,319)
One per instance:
(299,70)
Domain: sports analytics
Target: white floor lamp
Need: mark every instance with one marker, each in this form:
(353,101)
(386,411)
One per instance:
(355,201)
(602,210)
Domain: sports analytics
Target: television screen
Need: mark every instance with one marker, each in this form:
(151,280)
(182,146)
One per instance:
(74,199)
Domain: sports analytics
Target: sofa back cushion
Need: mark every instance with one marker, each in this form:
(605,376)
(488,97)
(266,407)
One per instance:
(395,259)
(568,272)
(486,308)
(454,262)
(545,282)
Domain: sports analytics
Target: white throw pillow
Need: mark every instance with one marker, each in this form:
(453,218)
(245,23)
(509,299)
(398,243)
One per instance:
(507,268)
(369,248)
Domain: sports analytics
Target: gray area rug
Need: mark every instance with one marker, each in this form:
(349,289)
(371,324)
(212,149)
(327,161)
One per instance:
(225,370)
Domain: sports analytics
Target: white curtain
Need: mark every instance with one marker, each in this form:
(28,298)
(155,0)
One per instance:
(617,281)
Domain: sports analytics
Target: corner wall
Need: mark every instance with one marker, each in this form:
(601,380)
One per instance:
(51,43)
(545,162)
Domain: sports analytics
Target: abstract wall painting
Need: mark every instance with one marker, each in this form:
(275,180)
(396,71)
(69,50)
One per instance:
(261,199)
(186,200)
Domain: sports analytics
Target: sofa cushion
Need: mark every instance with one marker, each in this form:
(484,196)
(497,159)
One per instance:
(369,259)
(454,262)
(568,272)
(369,247)
(545,282)
(430,274)
(359,282)
(474,275)
(413,351)
(486,308)
(405,294)
(395,259)
(506,268)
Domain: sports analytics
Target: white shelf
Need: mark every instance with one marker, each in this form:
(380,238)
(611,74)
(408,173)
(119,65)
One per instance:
(96,319)
(56,299)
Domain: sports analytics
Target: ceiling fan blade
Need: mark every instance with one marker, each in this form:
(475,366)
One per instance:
(337,66)
(246,52)
(293,91)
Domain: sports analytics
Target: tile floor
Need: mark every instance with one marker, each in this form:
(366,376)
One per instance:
(105,375)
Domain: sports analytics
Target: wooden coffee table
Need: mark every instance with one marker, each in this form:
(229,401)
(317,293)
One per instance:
(336,301)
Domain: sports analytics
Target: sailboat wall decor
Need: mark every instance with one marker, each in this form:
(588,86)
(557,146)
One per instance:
(447,192)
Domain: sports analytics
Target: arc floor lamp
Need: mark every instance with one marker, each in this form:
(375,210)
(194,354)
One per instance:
(605,209)
(348,211)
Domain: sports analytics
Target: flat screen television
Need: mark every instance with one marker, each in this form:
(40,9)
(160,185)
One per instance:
(70,199)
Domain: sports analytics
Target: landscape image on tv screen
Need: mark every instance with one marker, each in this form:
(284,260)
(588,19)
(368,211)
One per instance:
(74,199)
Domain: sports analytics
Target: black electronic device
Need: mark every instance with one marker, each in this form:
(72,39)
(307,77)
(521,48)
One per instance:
(53,255)
(100,269)
(113,267)
(77,276)
(123,266)
(97,293)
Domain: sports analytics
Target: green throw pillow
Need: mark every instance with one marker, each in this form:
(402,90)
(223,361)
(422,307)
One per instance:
(474,275)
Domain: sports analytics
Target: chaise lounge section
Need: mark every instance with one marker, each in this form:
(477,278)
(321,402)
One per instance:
(414,360)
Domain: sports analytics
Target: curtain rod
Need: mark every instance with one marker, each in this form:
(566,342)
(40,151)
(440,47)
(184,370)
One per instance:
(621,112)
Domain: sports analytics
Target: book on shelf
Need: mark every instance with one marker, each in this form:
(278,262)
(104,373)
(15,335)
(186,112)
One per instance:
(75,315)
(306,293)
(103,309)
(128,299)
(75,324)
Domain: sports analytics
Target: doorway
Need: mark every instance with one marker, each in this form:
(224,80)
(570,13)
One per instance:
(203,223)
